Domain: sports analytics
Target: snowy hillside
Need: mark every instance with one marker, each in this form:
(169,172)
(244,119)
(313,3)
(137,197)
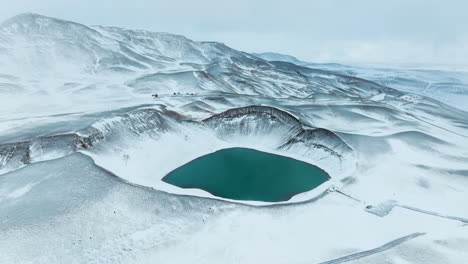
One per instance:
(446,85)
(84,144)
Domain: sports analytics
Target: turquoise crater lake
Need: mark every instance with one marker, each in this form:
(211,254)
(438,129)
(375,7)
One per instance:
(248,175)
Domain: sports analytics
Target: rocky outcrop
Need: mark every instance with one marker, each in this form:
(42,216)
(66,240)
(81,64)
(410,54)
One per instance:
(266,120)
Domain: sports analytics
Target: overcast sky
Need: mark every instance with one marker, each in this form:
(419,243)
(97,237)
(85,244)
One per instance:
(358,31)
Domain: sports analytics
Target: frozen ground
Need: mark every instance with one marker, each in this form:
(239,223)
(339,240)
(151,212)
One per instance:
(83,148)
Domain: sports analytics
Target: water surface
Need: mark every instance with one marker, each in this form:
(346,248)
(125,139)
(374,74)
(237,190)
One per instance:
(247,174)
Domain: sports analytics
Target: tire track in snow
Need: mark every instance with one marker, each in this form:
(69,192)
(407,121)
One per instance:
(456,218)
(390,207)
(374,251)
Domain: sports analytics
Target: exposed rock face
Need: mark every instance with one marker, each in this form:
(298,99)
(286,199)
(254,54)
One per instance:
(13,156)
(321,139)
(16,155)
(265,121)
(260,121)
(272,112)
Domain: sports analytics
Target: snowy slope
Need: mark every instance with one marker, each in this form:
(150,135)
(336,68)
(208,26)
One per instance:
(446,85)
(83,148)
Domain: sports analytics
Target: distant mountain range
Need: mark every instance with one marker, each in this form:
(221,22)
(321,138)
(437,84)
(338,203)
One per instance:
(450,87)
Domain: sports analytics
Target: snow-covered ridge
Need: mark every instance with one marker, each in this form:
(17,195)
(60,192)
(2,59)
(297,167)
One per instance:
(444,84)
(263,120)
(58,44)
(265,127)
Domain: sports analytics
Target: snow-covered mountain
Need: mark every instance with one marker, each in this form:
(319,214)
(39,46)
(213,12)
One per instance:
(84,146)
(153,62)
(60,45)
(445,85)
